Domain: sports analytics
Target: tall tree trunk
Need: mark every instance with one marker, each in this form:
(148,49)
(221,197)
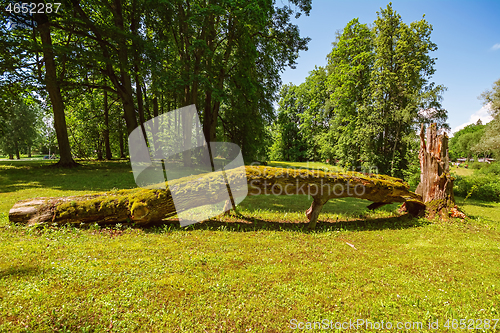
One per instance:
(126,92)
(436,183)
(16,147)
(123,83)
(66,160)
(99,149)
(105,133)
(121,139)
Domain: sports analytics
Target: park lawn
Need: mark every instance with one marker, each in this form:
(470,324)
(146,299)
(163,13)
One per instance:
(461,171)
(305,165)
(253,273)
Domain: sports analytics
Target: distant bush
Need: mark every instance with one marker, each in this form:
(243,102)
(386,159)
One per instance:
(412,175)
(487,186)
(477,165)
(489,169)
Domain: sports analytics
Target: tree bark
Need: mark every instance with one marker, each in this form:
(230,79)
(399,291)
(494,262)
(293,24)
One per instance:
(16,147)
(105,133)
(121,139)
(66,159)
(144,206)
(436,183)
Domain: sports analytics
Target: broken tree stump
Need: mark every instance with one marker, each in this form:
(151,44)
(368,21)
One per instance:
(143,206)
(436,183)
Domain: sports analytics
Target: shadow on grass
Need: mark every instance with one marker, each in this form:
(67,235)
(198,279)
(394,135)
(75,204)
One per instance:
(293,166)
(95,176)
(245,224)
(475,202)
(19,271)
(348,206)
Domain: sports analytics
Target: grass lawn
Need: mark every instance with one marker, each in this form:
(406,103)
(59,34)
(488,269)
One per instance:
(461,171)
(255,273)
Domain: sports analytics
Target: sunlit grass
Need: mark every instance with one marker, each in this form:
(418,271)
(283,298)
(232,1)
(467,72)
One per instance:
(249,273)
(305,165)
(460,171)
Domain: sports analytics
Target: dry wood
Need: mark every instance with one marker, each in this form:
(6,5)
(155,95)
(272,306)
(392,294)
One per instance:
(436,183)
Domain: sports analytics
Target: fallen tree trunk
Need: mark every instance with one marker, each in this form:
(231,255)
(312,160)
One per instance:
(142,206)
(436,183)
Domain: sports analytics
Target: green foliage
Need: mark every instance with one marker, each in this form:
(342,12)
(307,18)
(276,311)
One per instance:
(474,187)
(289,144)
(478,186)
(20,127)
(493,168)
(477,165)
(299,132)
(47,135)
(86,126)
(492,98)
(367,105)
(399,90)
(349,66)
(490,141)
(155,56)
(463,142)
(412,173)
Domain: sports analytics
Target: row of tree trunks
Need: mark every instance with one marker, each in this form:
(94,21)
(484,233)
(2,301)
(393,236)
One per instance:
(143,206)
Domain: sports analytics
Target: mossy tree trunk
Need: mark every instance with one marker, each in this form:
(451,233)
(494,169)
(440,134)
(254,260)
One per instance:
(436,183)
(143,206)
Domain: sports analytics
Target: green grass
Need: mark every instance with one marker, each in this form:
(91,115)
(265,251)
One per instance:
(305,165)
(481,210)
(252,273)
(461,171)
(23,180)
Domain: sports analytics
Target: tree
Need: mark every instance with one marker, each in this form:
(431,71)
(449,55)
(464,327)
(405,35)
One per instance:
(156,56)
(33,65)
(463,141)
(436,182)
(399,89)
(313,97)
(301,120)
(289,144)
(53,88)
(490,141)
(349,67)
(492,98)
(20,128)
(47,135)
(376,93)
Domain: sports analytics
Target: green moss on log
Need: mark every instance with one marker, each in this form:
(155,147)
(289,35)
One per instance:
(145,205)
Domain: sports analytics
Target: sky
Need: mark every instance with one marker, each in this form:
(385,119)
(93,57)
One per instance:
(467,34)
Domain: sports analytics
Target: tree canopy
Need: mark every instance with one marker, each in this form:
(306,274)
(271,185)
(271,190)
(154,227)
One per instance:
(150,57)
(369,100)
(490,141)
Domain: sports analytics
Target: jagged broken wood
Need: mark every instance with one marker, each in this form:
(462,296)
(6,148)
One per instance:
(436,182)
(143,206)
